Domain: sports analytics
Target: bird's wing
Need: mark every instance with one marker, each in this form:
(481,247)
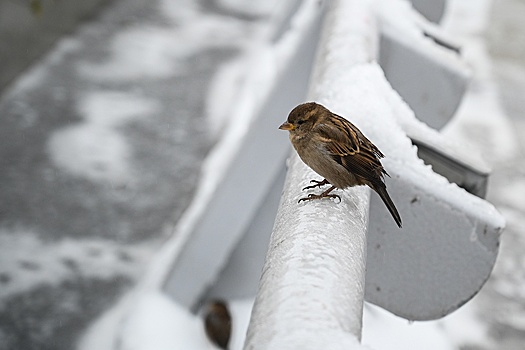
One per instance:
(350,148)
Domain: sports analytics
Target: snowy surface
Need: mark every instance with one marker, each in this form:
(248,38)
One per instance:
(313,276)
(25,252)
(94,148)
(156,322)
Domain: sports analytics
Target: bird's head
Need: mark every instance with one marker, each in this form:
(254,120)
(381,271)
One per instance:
(303,118)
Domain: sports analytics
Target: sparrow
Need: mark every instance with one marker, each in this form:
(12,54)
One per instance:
(218,323)
(338,151)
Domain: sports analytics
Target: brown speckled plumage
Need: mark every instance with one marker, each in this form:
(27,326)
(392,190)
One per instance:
(337,150)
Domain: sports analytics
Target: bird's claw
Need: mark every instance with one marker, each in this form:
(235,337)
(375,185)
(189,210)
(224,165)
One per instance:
(317,184)
(312,196)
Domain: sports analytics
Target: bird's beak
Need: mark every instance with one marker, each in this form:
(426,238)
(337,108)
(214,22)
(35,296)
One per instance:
(287,126)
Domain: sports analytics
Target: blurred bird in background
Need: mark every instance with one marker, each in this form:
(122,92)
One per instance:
(218,323)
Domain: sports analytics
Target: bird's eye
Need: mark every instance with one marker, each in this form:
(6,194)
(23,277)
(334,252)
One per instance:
(300,122)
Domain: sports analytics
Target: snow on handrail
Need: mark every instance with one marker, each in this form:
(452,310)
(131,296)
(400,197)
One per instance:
(311,291)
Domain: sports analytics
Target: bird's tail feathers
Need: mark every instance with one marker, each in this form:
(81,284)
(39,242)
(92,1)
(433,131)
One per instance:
(381,191)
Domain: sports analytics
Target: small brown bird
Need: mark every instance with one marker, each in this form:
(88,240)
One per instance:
(338,151)
(218,323)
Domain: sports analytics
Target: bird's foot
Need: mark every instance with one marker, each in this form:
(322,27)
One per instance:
(317,184)
(325,194)
(312,196)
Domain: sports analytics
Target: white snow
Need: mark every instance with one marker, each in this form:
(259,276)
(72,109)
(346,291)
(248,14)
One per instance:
(254,8)
(156,322)
(223,93)
(160,324)
(384,331)
(37,262)
(312,279)
(94,148)
(480,121)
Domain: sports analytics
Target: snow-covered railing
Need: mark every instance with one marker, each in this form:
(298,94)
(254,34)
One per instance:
(311,292)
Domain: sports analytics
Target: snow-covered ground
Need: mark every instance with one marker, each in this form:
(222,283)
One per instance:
(102,142)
